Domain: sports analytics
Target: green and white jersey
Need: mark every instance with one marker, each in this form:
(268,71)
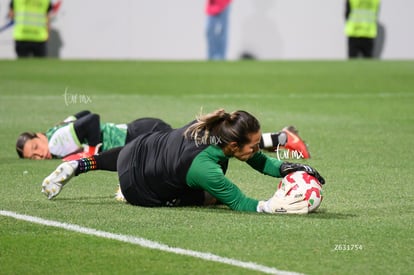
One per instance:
(63,140)
(113,135)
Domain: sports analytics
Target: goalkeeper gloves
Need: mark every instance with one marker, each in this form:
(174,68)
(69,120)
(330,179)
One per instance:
(288,167)
(282,204)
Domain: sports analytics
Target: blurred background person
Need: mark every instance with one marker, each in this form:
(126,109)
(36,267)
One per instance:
(31,26)
(217,28)
(361,26)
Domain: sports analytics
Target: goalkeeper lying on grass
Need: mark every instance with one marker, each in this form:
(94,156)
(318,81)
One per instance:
(83,135)
(187,166)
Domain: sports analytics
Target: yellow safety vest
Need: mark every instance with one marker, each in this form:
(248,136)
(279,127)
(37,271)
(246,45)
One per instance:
(362,20)
(30,20)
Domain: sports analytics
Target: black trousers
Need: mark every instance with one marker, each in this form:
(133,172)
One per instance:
(360,46)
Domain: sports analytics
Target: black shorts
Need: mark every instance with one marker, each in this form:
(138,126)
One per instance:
(28,48)
(137,190)
(144,126)
(137,196)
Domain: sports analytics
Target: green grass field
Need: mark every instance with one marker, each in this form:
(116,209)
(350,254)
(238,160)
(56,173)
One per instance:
(356,116)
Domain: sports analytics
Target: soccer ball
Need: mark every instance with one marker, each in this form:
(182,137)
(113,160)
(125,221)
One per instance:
(304,184)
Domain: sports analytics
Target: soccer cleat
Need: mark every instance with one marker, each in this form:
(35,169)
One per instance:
(295,143)
(119,196)
(53,184)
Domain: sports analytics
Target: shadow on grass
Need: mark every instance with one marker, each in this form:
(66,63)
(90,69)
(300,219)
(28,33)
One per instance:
(89,200)
(323,214)
(223,210)
(216,209)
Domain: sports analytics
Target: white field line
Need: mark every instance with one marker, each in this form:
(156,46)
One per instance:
(147,244)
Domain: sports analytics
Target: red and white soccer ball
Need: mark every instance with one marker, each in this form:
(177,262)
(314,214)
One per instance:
(304,184)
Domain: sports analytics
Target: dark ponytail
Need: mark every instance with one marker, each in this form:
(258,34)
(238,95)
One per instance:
(221,128)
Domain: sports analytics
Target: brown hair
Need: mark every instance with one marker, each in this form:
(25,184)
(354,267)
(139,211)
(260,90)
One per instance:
(221,128)
(21,141)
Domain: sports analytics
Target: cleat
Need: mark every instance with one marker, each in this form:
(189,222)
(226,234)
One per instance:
(119,196)
(53,184)
(294,142)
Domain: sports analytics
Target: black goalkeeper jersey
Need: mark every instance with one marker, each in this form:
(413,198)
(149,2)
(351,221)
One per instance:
(164,168)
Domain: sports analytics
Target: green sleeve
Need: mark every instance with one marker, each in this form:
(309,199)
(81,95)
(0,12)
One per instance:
(205,173)
(265,164)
